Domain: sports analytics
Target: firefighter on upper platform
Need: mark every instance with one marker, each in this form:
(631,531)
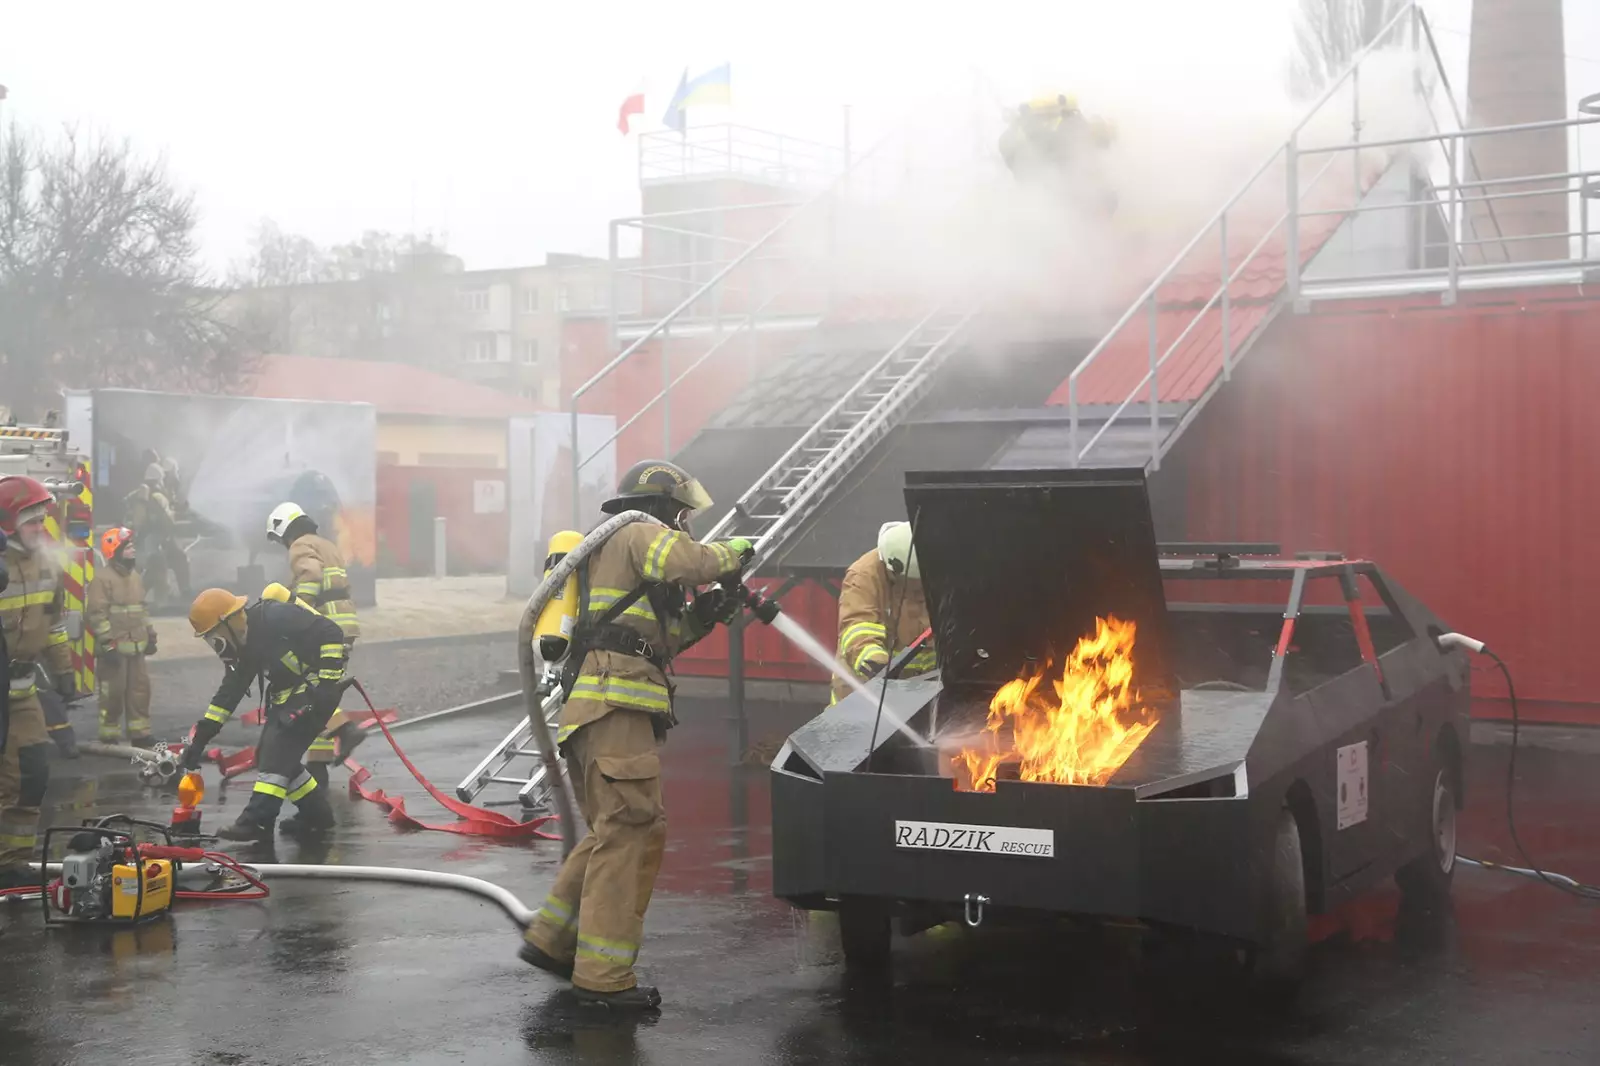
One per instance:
(635,617)
(318,577)
(883,590)
(115,613)
(31,617)
(300,657)
(1050,140)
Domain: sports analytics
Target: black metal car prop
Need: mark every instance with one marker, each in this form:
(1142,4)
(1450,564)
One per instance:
(1289,735)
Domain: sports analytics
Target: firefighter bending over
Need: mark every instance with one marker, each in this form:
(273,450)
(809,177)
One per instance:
(301,657)
(30,612)
(883,586)
(318,577)
(116,615)
(619,707)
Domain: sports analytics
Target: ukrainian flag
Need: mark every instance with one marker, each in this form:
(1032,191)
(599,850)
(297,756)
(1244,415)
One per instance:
(715,86)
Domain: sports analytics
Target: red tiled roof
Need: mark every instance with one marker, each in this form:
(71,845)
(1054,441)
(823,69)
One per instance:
(393,388)
(1191,366)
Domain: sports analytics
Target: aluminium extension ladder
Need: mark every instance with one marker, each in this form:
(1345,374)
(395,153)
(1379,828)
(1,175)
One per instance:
(776,506)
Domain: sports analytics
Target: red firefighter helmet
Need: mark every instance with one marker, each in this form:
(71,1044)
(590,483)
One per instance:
(114,540)
(21,500)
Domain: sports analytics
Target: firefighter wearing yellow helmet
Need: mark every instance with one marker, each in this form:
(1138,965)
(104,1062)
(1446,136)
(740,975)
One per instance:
(318,577)
(1051,139)
(300,655)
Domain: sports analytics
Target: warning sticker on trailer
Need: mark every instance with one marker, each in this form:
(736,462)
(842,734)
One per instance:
(984,839)
(1352,778)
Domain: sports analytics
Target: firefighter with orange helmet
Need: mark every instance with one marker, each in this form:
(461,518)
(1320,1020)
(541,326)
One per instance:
(31,616)
(882,590)
(116,615)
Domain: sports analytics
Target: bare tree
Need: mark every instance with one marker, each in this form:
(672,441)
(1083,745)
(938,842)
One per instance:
(377,297)
(99,279)
(1329,34)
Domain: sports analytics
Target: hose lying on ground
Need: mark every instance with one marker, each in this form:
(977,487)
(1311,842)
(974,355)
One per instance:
(527,664)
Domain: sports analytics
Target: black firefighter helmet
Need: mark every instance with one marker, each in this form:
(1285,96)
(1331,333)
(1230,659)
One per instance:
(658,488)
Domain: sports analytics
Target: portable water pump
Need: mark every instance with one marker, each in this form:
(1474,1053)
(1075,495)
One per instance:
(107,876)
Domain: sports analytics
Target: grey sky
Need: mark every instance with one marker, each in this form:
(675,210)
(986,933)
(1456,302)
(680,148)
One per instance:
(495,121)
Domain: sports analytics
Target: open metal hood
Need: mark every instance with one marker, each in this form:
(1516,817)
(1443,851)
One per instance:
(1017,564)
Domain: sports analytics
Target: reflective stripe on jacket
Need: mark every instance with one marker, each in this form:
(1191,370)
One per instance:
(30,610)
(114,608)
(868,598)
(644,552)
(317,570)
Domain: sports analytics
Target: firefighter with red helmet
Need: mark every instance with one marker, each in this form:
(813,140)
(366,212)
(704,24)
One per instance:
(31,615)
(116,615)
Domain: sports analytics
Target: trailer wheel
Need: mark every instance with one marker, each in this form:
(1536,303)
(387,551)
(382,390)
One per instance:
(1425,880)
(864,934)
(1277,964)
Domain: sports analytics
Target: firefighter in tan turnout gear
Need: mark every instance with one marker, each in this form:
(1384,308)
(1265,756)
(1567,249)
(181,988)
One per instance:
(30,611)
(635,618)
(882,587)
(318,578)
(116,615)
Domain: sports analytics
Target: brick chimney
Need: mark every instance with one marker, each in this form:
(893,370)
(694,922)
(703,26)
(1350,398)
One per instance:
(1517,73)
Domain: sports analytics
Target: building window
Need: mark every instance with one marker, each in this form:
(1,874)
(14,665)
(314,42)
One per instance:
(530,301)
(474,300)
(564,298)
(528,352)
(481,348)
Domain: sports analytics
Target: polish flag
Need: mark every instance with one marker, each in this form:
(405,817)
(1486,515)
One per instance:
(633,105)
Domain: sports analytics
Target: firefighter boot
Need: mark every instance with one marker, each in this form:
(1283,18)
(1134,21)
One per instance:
(313,816)
(18,875)
(534,955)
(246,829)
(637,999)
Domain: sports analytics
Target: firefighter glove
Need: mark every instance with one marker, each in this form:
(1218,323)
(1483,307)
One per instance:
(744,547)
(150,643)
(195,750)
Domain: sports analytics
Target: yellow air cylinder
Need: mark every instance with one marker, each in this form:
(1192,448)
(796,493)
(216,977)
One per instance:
(553,631)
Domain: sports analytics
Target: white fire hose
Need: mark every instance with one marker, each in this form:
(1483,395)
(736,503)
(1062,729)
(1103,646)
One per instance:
(546,590)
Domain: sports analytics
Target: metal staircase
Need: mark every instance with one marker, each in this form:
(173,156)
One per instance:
(783,498)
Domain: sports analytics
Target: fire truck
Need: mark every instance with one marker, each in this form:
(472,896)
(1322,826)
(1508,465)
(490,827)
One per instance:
(45,454)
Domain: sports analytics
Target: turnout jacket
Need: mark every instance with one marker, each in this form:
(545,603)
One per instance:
(319,578)
(868,598)
(291,648)
(115,610)
(665,561)
(31,612)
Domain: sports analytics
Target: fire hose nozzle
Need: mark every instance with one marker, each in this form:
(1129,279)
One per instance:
(757,604)
(1448,641)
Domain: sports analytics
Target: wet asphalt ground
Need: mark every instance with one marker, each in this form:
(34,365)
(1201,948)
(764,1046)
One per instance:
(360,973)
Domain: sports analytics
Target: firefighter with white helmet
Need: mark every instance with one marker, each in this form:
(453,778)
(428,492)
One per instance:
(882,609)
(318,577)
(31,600)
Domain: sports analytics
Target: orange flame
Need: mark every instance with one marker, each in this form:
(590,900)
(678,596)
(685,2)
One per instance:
(1084,736)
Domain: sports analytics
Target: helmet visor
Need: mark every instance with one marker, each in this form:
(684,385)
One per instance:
(692,495)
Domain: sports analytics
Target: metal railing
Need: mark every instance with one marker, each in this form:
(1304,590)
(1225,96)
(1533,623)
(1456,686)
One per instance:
(751,255)
(1295,169)
(729,149)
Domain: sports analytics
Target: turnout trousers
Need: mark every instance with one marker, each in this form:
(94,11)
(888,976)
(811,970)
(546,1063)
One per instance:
(594,914)
(281,773)
(124,696)
(24,773)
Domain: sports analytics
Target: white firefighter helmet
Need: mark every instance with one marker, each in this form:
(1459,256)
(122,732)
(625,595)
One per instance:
(896,551)
(282,517)
(153,474)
